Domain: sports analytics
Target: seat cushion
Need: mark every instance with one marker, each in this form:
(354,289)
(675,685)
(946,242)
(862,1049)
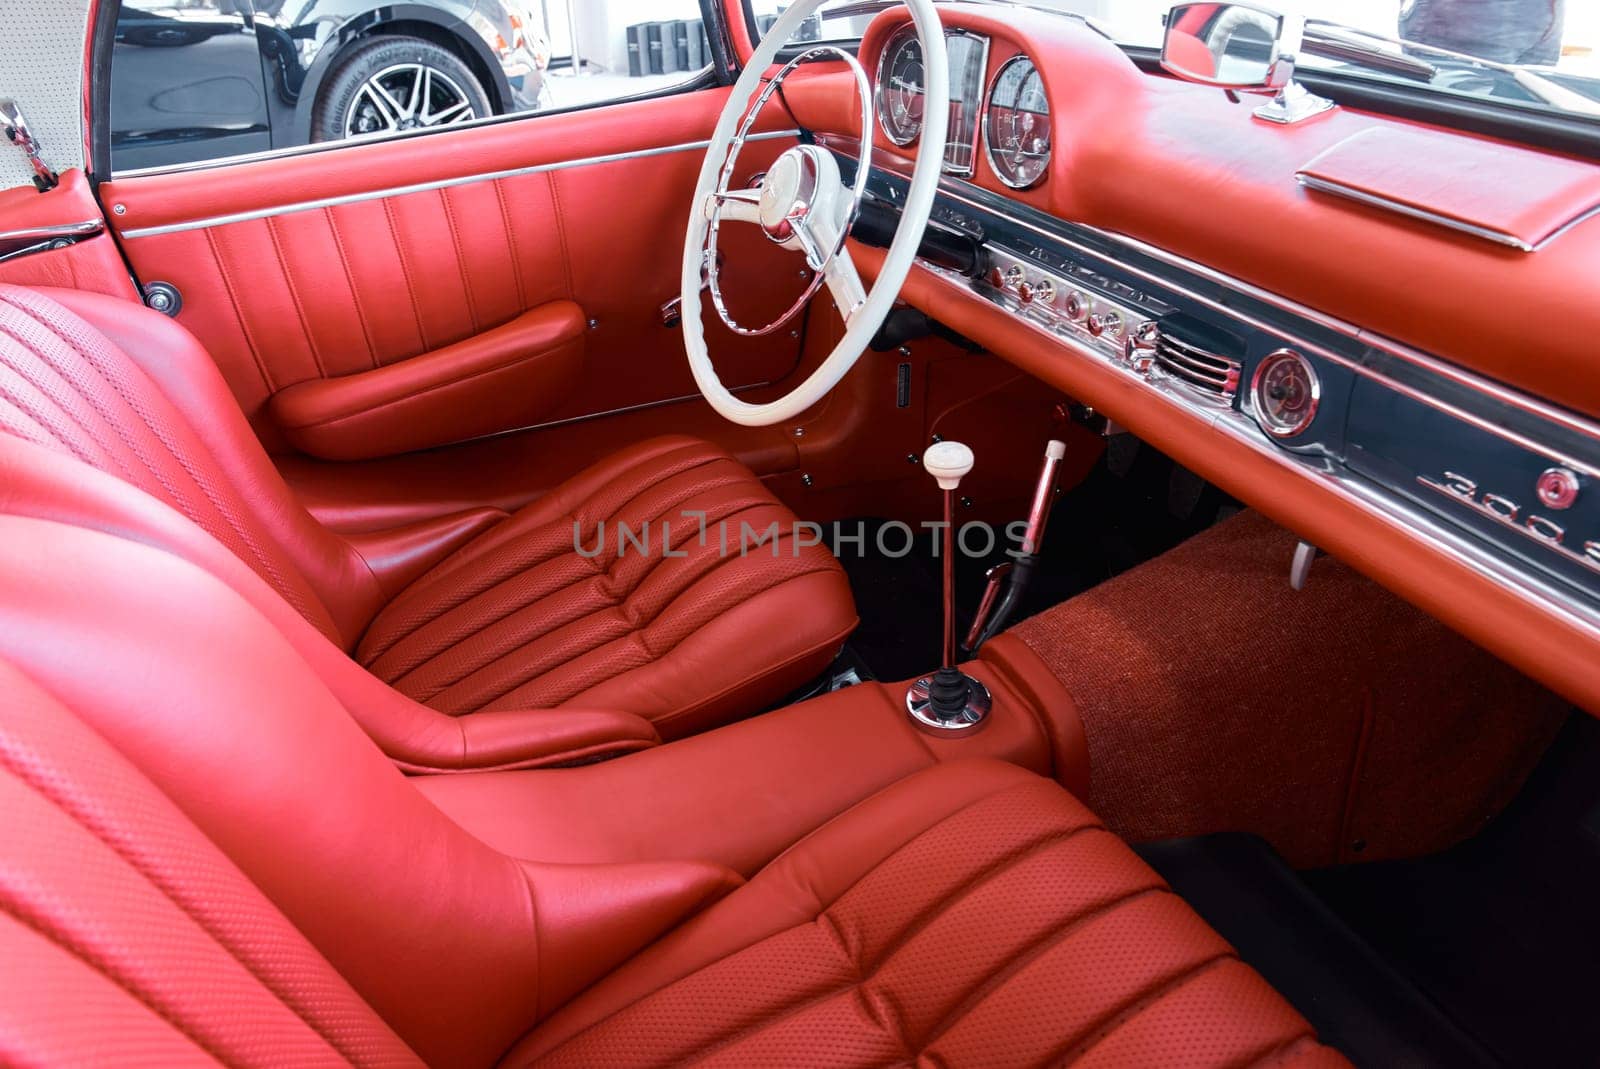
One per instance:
(665,580)
(973,914)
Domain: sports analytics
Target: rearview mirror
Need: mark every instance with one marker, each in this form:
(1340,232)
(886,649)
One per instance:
(1232,46)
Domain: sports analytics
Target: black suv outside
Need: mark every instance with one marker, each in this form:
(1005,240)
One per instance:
(201,79)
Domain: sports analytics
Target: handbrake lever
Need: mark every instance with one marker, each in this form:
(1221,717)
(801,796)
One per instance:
(995,609)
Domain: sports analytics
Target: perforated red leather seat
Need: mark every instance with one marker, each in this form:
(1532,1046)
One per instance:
(517,617)
(205,860)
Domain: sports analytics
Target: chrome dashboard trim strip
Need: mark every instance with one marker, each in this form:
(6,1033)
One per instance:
(423,187)
(1388,204)
(994,203)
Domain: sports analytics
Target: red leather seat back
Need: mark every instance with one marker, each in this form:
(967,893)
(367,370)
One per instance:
(125,936)
(191,678)
(170,427)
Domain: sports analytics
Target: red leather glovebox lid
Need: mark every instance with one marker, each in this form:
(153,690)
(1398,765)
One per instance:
(1518,197)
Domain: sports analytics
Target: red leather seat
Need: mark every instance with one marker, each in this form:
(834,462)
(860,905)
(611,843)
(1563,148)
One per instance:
(514,618)
(204,859)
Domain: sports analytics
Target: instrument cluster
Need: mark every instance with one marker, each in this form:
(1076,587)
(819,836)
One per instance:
(1014,113)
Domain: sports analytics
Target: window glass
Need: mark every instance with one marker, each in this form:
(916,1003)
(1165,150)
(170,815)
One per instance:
(1540,53)
(197,80)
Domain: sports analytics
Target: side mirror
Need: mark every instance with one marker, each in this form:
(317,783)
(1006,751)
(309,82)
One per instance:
(1242,49)
(1231,46)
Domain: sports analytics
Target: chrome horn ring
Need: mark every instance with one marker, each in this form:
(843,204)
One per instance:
(787,193)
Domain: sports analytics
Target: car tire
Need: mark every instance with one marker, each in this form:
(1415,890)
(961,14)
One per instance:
(375,89)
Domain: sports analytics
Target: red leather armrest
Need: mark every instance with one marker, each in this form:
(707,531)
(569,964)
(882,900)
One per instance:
(498,380)
(541,738)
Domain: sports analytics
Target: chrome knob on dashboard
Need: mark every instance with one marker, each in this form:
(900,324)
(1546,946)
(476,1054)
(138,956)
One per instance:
(1110,323)
(1045,291)
(1077,305)
(1014,277)
(1141,346)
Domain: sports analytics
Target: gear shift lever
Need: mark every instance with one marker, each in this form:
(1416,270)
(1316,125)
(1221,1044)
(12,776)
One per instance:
(949,702)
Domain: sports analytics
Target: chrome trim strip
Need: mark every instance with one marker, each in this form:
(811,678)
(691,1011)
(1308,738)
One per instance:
(60,230)
(1388,204)
(1553,538)
(590,416)
(423,187)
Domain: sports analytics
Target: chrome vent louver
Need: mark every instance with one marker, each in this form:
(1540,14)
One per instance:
(1200,356)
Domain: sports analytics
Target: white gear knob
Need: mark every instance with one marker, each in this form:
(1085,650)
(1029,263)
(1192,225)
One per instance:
(948,462)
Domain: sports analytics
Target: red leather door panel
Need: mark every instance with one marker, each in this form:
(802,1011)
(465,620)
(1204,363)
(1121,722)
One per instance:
(341,262)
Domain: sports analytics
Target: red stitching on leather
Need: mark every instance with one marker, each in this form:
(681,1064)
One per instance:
(350,280)
(510,233)
(238,313)
(461,260)
(1134,1007)
(405,271)
(294,295)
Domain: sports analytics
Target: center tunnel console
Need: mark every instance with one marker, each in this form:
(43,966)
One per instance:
(740,795)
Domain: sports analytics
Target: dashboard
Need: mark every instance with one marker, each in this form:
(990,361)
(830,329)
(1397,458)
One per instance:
(1250,337)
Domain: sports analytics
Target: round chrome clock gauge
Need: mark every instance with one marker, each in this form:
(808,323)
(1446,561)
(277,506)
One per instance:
(1016,124)
(900,87)
(1285,393)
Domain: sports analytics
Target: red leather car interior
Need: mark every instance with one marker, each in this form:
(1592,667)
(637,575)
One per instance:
(515,613)
(223,818)
(508,376)
(428,256)
(92,263)
(518,618)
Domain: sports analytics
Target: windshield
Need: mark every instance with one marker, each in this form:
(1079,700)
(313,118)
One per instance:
(1539,53)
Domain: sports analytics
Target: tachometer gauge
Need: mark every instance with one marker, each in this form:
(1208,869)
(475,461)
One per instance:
(900,87)
(1016,125)
(1285,392)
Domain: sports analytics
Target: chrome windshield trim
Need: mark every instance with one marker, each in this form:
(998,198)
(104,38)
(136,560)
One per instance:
(423,187)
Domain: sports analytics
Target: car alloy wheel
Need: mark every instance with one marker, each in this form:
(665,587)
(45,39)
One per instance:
(406,96)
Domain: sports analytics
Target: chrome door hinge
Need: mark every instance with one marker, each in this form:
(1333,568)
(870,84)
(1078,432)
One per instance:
(16,130)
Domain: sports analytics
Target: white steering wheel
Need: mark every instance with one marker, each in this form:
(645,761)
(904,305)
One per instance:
(803,204)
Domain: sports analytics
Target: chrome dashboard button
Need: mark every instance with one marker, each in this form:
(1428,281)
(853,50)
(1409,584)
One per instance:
(1558,488)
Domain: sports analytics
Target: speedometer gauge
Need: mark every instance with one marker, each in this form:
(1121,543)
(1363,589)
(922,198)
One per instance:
(1016,126)
(900,88)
